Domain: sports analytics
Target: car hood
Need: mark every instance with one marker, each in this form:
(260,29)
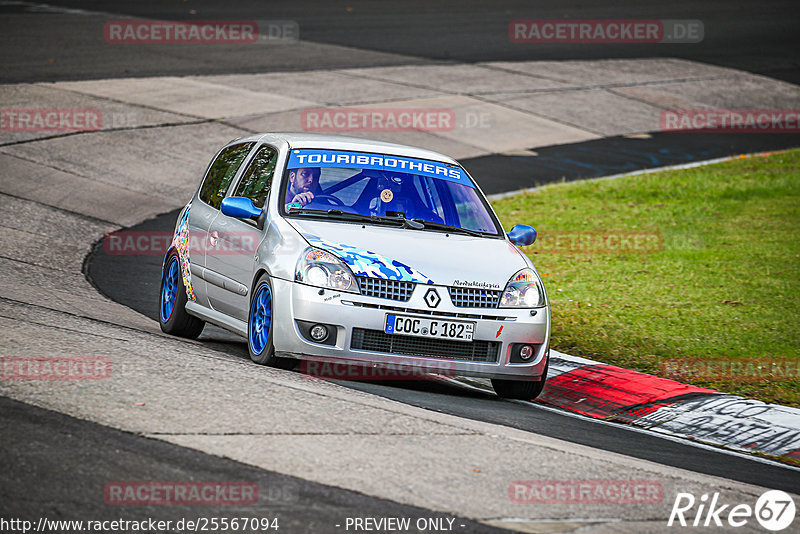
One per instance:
(420,256)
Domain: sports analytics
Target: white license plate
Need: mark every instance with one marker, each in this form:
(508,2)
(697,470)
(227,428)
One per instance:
(434,328)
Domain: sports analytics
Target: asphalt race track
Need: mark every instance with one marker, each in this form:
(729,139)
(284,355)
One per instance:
(58,444)
(134,280)
(759,37)
(319,451)
(611,156)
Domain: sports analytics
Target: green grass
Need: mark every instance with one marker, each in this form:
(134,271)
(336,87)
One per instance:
(724,288)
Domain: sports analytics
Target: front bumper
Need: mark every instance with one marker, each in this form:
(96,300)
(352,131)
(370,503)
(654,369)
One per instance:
(349,311)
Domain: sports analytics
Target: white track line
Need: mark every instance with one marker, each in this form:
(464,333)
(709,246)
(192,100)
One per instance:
(498,196)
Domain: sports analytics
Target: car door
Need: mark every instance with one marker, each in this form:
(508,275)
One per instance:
(205,209)
(230,261)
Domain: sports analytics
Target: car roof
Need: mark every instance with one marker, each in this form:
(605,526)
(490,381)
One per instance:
(355,144)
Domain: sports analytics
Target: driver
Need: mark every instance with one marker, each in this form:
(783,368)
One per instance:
(303,185)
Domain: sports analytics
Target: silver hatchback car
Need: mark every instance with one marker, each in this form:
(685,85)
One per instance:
(334,249)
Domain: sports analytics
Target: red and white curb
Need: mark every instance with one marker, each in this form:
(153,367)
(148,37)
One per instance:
(674,409)
(611,393)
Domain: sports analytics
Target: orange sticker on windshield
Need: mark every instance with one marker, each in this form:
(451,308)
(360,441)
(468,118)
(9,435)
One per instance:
(387,195)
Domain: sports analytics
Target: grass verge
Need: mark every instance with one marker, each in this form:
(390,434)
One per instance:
(689,274)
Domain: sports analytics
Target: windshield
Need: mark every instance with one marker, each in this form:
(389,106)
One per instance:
(376,185)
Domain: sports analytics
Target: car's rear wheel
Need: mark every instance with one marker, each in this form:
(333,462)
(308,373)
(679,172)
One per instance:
(260,327)
(520,389)
(172,314)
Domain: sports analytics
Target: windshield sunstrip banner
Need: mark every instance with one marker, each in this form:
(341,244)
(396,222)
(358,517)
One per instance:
(299,158)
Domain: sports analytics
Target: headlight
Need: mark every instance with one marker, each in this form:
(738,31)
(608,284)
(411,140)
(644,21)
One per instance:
(322,269)
(524,290)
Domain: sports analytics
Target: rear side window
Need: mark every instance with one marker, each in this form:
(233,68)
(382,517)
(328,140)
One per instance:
(222,172)
(256,181)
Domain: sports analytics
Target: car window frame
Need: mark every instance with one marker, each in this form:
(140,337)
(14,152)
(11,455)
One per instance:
(236,175)
(246,165)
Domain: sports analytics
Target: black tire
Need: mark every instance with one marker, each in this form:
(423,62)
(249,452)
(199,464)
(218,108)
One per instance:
(520,389)
(177,322)
(263,351)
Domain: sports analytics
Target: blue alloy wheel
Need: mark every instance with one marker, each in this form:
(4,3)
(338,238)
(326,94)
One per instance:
(169,289)
(260,319)
(172,301)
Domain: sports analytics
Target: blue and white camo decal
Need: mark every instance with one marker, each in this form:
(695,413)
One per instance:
(365,263)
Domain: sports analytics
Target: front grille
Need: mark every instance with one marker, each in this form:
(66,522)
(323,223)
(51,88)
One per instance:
(472,297)
(385,289)
(433,313)
(378,341)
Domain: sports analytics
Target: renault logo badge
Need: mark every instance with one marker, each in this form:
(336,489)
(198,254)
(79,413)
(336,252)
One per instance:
(432,298)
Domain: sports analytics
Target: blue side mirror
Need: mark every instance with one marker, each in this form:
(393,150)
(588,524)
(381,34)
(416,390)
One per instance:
(522,235)
(240,208)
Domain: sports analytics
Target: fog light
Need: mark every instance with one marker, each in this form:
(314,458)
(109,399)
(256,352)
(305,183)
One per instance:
(525,352)
(319,333)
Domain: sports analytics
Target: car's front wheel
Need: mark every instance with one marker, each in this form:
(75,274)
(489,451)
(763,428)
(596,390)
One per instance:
(172,314)
(520,389)
(260,327)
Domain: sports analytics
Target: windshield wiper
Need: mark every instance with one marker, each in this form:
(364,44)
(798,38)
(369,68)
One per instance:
(449,227)
(333,211)
(349,216)
(407,223)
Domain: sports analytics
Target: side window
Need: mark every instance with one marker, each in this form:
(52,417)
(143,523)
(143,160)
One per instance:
(256,181)
(222,172)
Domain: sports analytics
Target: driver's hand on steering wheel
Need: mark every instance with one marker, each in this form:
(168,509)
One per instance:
(303,198)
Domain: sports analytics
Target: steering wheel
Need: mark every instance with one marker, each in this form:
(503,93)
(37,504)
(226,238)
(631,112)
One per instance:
(330,199)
